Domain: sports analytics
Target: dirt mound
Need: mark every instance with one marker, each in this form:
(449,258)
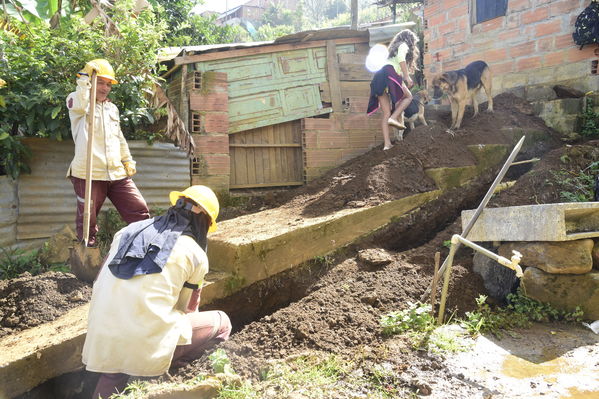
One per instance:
(28,301)
(380,176)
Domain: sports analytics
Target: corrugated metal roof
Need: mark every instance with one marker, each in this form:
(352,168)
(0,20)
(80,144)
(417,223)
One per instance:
(383,34)
(46,197)
(168,53)
(374,34)
(322,34)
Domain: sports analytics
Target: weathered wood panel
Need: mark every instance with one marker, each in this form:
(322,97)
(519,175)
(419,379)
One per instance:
(354,72)
(348,89)
(269,156)
(273,88)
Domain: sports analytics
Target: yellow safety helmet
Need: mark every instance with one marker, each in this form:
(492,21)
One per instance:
(102,68)
(202,196)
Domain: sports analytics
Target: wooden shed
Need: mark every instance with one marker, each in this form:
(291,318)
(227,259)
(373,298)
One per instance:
(276,114)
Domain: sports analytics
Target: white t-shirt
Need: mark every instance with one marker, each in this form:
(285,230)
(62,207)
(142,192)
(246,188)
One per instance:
(134,325)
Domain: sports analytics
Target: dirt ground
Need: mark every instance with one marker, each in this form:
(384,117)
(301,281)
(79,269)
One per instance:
(335,305)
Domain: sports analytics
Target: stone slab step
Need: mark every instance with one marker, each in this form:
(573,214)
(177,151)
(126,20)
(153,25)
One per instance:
(544,222)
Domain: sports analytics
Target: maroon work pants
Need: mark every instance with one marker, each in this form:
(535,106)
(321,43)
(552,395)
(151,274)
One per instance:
(123,194)
(208,329)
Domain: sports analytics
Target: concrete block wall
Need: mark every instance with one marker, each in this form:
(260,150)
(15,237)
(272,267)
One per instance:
(529,48)
(208,103)
(329,142)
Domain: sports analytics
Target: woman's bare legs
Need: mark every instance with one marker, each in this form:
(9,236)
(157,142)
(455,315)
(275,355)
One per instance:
(402,104)
(385,104)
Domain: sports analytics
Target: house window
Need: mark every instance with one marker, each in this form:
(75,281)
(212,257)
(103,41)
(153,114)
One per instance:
(485,10)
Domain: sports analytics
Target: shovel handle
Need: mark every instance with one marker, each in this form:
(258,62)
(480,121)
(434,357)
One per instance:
(89,157)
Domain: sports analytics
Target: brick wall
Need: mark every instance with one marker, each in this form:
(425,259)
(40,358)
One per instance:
(329,142)
(530,46)
(208,104)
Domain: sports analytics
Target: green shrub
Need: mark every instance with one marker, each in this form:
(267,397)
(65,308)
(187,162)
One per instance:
(590,119)
(577,186)
(520,312)
(14,262)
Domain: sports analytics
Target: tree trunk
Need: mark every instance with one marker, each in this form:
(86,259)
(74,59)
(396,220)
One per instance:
(354,14)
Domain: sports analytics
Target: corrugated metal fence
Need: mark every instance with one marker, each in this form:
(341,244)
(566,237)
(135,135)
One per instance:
(8,211)
(46,201)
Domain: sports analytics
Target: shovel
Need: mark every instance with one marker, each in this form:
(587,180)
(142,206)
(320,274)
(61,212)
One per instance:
(85,261)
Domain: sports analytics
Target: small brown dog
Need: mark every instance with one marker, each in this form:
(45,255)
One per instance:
(462,86)
(415,111)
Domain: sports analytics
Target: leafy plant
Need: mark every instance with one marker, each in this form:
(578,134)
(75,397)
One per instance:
(520,312)
(417,317)
(577,186)
(14,262)
(15,156)
(220,362)
(535,310)
(590,119)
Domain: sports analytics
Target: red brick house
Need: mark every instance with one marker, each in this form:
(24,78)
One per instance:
(527,43)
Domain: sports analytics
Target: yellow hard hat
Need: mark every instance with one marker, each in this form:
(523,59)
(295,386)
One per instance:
(102,68)
(202,196)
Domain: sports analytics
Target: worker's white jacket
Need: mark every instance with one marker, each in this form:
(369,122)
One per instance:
(134,325)
(110,148)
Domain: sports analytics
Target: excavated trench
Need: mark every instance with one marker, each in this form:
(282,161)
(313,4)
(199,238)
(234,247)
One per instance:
(267,296)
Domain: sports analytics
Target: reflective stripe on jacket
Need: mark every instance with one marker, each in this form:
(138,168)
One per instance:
(110,148)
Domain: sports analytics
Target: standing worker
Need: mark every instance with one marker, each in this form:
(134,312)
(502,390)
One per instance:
(112,164)
(389,88)
(144,308)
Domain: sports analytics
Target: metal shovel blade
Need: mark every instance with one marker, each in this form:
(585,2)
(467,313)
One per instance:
(85,262)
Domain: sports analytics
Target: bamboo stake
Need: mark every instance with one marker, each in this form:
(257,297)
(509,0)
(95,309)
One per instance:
(435,281)
(481,206)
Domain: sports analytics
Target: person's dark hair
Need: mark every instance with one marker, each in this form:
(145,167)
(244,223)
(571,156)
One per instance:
(408,37)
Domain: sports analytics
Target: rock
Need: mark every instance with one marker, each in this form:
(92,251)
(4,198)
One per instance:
(56,249)
(498,279)
(565,257)
(567,92)
(595,255)
(376,257)
(564,291)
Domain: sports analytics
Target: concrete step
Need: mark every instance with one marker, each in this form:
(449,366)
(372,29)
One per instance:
(544,222)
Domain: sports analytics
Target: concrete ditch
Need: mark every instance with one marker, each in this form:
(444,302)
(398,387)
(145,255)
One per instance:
(237,262)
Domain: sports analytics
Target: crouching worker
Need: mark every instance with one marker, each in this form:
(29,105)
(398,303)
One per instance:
(144,309)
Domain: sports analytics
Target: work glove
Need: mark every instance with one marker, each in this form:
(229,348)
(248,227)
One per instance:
(129,167)
(89,68)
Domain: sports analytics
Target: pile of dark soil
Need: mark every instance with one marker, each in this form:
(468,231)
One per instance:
(380,176)
(28,301)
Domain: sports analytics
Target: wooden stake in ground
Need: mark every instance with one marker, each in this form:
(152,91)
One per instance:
(435,281)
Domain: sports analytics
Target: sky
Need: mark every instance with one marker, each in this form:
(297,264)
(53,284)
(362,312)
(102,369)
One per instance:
(218,5)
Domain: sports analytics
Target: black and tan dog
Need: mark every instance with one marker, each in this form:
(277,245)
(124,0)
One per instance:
(462,86)
(415,111)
